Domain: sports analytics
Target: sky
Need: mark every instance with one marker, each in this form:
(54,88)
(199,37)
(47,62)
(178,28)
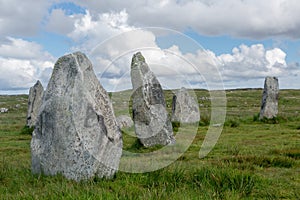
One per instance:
(195,44)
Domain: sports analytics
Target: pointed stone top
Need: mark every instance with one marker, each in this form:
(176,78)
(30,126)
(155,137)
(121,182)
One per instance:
(37,86)
(35,99)
(271,77)
(37,83)
(78,53)
(137,59)
(76,59)
(69,70)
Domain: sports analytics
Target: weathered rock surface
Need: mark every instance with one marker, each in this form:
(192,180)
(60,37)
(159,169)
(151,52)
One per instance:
(35,100)
(151,121)
(3,110)
(184,107)
(269,104)
(124,121)
(76,134)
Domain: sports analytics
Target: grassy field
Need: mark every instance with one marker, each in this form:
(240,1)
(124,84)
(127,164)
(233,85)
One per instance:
(252,159)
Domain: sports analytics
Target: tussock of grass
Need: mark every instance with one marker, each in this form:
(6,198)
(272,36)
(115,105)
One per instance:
(291,153)
(204,120)
(256,117)
(27,130)
(233,150)
(176,126)
(138,147)
(233,123)
(221,181)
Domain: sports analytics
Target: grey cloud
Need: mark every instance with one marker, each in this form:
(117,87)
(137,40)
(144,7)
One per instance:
(248,18)
(22,18)
(58,22)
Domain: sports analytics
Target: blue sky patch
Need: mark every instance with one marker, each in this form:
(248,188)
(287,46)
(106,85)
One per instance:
(69,8)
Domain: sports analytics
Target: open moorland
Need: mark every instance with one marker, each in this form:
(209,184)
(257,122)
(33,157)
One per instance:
(253,159)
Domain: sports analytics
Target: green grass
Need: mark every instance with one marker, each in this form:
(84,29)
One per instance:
(253,159)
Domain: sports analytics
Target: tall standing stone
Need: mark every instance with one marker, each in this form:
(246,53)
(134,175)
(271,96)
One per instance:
(269,104)
(184,107)
(76,134)
(151,121)
(35,100)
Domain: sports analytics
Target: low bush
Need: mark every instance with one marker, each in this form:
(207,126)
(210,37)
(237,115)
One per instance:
(204,120)
(233,123)
(176,126)
(256,117)
(26,130)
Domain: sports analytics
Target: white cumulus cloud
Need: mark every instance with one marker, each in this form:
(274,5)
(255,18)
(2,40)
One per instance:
(22,18)
(108,33)
(22,63)
(89,30)
(243,18)
(92,31)
(276,57)
(249,63)
(59,22)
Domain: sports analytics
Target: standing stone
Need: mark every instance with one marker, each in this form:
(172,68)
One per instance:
(184,107)
(35,100)
(151,121)
(76,134)
(124,121)
(3,110)
(269,104)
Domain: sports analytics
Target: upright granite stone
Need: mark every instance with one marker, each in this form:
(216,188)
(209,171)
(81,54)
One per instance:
(151,121)
(184,107)
(269,104)
(76,134)
(35,100)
